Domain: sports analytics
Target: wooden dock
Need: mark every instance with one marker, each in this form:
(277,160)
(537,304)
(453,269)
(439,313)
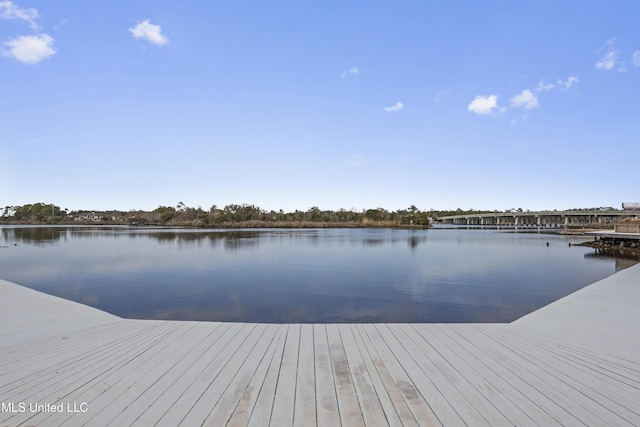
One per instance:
(574,362)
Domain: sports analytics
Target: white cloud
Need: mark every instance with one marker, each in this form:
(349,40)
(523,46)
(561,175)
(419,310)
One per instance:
(607,62)
(484,105)
(610,59)
(636,58)
(397,107)
(525,99)
(30,49)
(569,82)
(350,72)
(149,32)
(543,87)
(9,10)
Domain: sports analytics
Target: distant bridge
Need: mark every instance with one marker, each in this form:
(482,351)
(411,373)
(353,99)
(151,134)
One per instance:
(539,219)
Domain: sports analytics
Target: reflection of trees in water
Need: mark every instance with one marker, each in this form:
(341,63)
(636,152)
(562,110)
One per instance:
(49,235)
(236,240)
(231,240)
(34,235)
(373,242)
(623,258)
(165,237)
(414,241)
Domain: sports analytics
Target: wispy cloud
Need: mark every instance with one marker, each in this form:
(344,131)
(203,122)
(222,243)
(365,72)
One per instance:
(610,60)
(522,119)
(525,99)
(397,107)
(566,84)
(636,58)
(543,87)
(9,10)
(152,33)
(350,72)
(30,49)
(441,95)
(485,105)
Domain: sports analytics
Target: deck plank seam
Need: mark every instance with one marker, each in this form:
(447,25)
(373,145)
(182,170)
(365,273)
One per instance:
(345,387)
(513,362)
(44,374)
(287,357)
(250,364)
(611,360)
(421,404)
(267,390)
(384,379)
(320,330)
(362,381)
(429,376)
(247,413)
(563,375)
(532,362)
(489,383)
(219,345)
(254,329)
(124,360)
(113,386)
(413,336)
(478,351)
(590,360)
(208,333)
(127,382)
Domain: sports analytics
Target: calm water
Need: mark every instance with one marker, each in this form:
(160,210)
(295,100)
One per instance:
(317,275)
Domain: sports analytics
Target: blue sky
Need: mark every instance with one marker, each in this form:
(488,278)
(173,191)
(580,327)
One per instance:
(292,104)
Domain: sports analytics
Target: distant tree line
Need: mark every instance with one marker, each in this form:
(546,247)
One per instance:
(244,215)
(33,213)
(233,215)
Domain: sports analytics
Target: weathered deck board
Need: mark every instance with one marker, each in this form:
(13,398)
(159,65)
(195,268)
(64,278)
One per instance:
(531,365)
(234,386)
(372,411)
(261,414)
(248,400)
(575,362)
(345,390)
(402,381)
(449,378)
(609,397)
(305,405)
(482,380)
(326,398)
(285,396)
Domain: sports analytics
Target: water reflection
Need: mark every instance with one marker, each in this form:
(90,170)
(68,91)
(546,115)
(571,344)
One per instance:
(414,241)
(302,276)
(232,240)
(622,259)
(34,235)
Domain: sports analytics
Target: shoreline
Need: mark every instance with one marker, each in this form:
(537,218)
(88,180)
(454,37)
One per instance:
(230,225)
(618,247)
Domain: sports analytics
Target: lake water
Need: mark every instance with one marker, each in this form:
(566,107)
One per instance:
(302,275)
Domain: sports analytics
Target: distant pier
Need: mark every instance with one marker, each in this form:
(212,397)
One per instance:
(573,362)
